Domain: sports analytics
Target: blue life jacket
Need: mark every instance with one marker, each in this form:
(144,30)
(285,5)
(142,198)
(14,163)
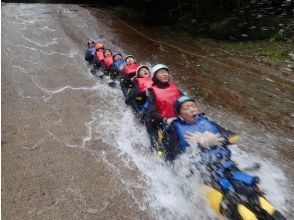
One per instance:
(119,64)
(91,51)
(202,124)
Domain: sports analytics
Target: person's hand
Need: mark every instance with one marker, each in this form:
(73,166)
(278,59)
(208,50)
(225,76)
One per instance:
(127,101)
(168,121)
(133,79)
(233,139)
(206,139)
(148,92)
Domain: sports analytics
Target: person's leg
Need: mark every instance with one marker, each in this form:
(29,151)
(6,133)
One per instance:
(136,107)
(112,77)
(152,131)
(91,61)
(100,71)
(124,87)
(96,66)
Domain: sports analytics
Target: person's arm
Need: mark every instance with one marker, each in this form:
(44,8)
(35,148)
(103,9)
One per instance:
(229,136)
(135,106)
(172,146)
(152,110)
(132,93)
(136,93)
(124,87)
(125,78)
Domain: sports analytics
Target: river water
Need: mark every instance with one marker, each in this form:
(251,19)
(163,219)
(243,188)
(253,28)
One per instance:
(72,149)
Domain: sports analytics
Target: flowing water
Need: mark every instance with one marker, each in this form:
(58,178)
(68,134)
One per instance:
(72,149)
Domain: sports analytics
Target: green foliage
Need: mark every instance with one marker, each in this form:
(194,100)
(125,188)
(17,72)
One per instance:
(184,23)
(126,12)
(276,51)
(284,33)
(222,28)
(226,19)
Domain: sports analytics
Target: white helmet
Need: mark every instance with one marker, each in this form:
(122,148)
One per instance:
(158,67)
(142,66)
(130,56)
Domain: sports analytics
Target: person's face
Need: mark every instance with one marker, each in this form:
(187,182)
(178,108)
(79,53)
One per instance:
(163,76)
(189,111)
(107,53)
(91,45)
(130,60)
(144,72)
(117,57)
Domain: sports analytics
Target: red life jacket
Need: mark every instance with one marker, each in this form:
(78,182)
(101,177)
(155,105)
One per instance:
(165,99)
(99,55)
(108,61)
(144,83)
(130,69)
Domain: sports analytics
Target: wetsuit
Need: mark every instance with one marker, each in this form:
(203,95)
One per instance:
(116,68)
(90,53)
(155,119)
(136,96)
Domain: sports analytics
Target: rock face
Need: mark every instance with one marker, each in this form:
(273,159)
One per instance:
(71,148)
(52,165)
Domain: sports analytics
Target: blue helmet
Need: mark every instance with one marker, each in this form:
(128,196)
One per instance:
(116,53)
(181,100)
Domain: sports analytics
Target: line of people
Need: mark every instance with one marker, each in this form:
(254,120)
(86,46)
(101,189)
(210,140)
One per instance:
(156,100)
(174,123)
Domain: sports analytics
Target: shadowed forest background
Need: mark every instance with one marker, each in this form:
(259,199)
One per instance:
(217,19)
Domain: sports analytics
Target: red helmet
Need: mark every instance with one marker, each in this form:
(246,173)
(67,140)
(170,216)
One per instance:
(99,46)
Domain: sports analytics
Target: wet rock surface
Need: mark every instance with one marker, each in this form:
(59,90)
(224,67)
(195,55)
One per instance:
(52,165)
(71,149)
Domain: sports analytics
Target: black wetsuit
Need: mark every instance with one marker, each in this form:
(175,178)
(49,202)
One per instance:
(154,121)
(126,83)
(136,99)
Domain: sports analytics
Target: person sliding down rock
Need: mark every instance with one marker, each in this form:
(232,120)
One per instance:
(90,52)
(118,62)
(108,60)
(128,72)
(190,126)
(136,96)
(162,96)
(116,68)
(98,61)
(107,63)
